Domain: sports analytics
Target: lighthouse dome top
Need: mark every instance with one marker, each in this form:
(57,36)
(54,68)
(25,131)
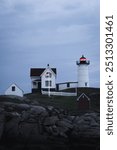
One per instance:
(83,60)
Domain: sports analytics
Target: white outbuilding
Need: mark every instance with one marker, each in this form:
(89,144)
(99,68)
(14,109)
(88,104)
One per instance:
(13,89)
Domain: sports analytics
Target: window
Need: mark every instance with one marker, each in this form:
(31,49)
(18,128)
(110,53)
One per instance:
(13,88)
(48,83)
(34,83)
(85,83)
(48,75)
(68,84)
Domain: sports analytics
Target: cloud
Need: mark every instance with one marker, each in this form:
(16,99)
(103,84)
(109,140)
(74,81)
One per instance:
(41,37)
(47,9)
(36,32)
(35,20)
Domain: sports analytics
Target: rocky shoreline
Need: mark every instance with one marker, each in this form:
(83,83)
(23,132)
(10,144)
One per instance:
(34,127)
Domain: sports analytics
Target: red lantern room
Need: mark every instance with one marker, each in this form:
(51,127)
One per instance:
(83,60)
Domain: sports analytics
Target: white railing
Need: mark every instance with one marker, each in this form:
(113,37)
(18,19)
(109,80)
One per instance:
(63,86)
(58,93)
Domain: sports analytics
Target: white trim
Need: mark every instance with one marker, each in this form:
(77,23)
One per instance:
(58,93)
(46,70)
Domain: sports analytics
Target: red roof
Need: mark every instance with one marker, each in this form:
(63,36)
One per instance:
(39,71)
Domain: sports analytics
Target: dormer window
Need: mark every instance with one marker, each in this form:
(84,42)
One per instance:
(48,75)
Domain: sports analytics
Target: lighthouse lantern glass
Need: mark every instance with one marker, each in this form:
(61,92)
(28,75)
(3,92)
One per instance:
(82,59)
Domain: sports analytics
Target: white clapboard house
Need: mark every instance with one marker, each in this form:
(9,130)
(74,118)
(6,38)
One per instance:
(13,89)
(43,79)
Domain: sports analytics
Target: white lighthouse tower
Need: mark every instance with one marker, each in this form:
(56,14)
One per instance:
(83,72)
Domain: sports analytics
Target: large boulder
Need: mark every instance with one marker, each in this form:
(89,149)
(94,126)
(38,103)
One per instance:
(11,126)
(51,120)
(37,110)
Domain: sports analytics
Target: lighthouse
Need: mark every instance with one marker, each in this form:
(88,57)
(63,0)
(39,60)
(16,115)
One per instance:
(83,72)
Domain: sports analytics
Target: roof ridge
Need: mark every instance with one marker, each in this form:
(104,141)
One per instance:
(39,71)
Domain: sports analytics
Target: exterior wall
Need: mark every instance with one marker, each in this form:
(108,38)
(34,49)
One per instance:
(63,86)
(83,75)
(17,92)
(52,79)
(83,104)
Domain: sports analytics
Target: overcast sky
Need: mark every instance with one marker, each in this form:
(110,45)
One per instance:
(34,33)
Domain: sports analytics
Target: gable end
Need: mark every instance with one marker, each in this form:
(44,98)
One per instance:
(39,71)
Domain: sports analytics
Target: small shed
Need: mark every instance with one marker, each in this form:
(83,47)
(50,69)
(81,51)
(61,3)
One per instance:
(13,89)
(83,102)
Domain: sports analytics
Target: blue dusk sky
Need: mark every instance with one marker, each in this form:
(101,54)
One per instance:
(34,33)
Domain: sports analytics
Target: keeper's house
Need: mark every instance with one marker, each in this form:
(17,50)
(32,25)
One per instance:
(43,79)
